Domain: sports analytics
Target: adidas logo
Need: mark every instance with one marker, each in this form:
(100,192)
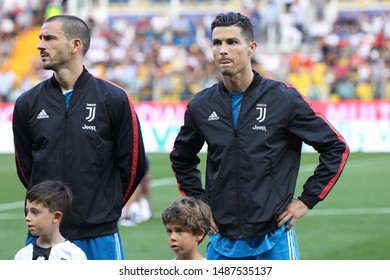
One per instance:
(213,117)
(42,115)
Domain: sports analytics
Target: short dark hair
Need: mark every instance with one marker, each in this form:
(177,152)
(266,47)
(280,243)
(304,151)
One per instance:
(193,214)
(237,19)
(55,195)
(74,27)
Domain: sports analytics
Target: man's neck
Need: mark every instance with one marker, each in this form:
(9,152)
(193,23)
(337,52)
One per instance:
(67,77)
(239,82)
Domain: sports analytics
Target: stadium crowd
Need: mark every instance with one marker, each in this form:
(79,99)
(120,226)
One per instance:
(327,54)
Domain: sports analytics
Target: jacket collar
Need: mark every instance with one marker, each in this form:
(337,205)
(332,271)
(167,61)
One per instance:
(80,80)
(255,82)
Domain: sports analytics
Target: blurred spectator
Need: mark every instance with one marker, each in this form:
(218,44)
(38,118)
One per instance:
(138,208)
(53,8)
(7,78)
(183,31)
(290,35)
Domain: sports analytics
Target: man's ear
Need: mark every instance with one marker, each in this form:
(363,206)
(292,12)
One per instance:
(77,45)
(252,47)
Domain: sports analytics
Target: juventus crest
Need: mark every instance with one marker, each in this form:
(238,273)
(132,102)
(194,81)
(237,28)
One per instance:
(262,112)
(91,112)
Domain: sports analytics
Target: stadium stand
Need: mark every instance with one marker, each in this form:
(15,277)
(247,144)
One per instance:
(328,49)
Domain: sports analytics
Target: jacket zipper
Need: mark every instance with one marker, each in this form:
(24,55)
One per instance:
(65,133)
(236,167)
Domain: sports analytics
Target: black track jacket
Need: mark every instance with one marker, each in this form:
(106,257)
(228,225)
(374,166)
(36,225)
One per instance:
(252,170)
(95,146)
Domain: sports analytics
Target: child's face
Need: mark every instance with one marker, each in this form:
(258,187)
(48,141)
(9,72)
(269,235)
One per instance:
(38,218)
(181,241)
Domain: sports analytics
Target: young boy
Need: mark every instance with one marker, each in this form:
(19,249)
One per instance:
(187,221)
(46,206)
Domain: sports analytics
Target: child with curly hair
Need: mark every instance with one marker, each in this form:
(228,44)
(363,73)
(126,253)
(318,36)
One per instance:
(187,222)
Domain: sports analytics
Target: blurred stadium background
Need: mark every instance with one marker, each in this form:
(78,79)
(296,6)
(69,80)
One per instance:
(160,50)
(336,52)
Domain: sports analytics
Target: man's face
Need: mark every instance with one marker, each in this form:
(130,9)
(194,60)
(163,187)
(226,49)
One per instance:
(232,52)
(55,49)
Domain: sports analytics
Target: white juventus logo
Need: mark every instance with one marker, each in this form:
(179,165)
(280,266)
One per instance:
(263,111)
(91,112)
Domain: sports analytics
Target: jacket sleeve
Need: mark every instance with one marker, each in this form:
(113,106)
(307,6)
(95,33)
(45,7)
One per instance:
(130,151)
(22,143)
(184,158)
(333,150)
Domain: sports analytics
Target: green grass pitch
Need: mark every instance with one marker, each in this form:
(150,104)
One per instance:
(352,223)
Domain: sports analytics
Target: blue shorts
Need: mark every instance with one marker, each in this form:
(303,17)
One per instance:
(281,245)
(107,247)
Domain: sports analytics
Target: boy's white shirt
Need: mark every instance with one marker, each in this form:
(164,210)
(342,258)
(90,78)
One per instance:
(62,251)
(204,259)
